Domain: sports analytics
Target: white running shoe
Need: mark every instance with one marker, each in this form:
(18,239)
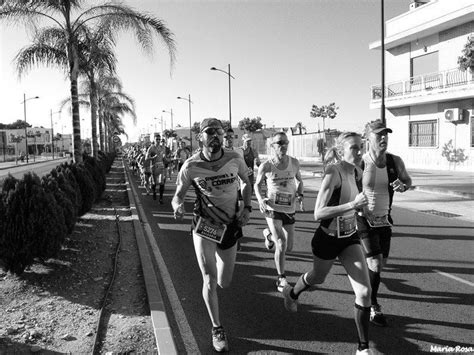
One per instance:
(364,352)
(219,340)
(291,305)
(281,283)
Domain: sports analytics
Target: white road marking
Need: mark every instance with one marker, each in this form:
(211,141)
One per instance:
(455,278)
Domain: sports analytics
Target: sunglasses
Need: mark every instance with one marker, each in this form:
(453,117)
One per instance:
(229,137)
(281,143)
(213,131)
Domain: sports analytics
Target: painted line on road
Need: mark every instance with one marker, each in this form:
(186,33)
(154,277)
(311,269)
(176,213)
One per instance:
(469,283)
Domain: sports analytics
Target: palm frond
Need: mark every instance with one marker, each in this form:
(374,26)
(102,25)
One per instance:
(40,54)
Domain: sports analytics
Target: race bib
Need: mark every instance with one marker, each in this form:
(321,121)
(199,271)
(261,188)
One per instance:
(379,221)
(346,226)
(210,231)
(283,199)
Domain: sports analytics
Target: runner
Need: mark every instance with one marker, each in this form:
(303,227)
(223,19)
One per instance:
(182,153)
(218,216)
(337,236)
(384,173)
(284,187)
(156,155)
(250,156)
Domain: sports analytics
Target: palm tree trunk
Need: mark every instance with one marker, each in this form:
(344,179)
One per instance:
(101,127)
(93,99)
(76,121)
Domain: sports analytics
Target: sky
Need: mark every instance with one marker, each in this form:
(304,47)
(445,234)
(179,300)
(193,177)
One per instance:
(285,55)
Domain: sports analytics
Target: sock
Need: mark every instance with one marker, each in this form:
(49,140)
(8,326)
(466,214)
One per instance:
(361,316)
(374,283)
(218,327)
(300,285)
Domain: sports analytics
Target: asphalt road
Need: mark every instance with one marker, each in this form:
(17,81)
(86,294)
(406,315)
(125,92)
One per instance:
(426,291)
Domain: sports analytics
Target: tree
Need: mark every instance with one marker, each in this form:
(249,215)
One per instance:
(250,125)
(18,124)
(466,60)
(168,133)
(110,18)
(299,128)
(324,112)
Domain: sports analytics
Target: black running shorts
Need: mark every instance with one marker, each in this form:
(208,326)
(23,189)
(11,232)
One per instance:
(327,247)
(374,241)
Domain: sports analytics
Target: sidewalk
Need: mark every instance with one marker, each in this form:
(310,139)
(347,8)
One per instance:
(446,182)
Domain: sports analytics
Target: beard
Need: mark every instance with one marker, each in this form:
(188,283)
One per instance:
(214,146)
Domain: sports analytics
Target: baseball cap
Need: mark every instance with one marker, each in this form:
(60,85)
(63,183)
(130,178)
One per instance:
(378,126)
(210,122)
(246,137)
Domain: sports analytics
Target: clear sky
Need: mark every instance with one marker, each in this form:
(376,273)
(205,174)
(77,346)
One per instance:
(286,55)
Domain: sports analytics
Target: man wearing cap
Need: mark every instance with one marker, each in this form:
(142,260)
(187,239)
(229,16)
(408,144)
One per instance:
(383,174)
(284,189)
(250,156)
(218,216)
(156,155)
(229,142)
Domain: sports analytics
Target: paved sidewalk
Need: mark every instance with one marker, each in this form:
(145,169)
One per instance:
(446,182)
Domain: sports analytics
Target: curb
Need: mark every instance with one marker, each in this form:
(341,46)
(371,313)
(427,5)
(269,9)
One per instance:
(447,192)
(161,327)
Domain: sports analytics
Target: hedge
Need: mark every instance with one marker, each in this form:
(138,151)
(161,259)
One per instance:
(37,214)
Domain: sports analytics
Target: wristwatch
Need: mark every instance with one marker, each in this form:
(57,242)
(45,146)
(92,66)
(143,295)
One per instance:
(248,207)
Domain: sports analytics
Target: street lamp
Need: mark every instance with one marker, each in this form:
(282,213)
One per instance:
(230,76)
(52,130)
(382,107)
(190,124)
(24,112)
(170,112)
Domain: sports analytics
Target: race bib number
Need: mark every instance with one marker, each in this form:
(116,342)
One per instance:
(210,231)
(379,221)
(283,199)
(346,226)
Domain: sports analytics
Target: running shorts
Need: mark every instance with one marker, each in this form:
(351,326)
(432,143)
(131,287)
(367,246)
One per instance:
(287,218)
(327,247)
(374,241)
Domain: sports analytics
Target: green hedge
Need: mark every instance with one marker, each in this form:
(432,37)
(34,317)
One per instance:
(37,214)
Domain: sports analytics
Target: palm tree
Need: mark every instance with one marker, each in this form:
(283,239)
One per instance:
(110,18)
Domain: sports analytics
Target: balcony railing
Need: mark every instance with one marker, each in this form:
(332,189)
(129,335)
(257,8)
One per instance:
(426,82)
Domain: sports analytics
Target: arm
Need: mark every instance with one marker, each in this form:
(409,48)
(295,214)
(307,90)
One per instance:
(257,158)
(331,181)
(299,185)
(183,183)
(246,189)
(262,169)
(403,182)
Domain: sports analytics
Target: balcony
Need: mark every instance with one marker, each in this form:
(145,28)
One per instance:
(447,85)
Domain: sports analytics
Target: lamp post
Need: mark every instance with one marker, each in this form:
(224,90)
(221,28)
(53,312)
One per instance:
(190,124)
(171,113)
(52,131)
(24,112)
(382,108)
(230,101)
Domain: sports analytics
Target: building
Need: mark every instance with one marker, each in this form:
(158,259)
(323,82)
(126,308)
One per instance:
(429,101)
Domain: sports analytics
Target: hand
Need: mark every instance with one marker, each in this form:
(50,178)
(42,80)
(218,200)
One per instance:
(300,201)
(179,212)
(244,218)
(262,204)
(398,186)
(360,201)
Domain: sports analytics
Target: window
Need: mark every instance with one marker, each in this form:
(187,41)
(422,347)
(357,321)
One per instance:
(423,133)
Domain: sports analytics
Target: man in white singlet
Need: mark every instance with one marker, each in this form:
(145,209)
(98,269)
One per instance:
(218,215)
(156,155)
(284,188)
(383,174)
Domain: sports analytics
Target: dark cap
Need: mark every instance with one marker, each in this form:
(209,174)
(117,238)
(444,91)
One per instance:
(210,122)
(377,126)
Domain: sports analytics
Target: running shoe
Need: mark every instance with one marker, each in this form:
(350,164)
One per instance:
(268,239)
(377,317)
(291,305)
(219,340)
(364,352)
(281,283)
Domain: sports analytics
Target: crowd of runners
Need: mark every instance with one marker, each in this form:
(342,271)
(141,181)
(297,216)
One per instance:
(352,207)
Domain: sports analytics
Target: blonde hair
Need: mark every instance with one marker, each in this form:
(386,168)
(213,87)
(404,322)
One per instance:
(333,155)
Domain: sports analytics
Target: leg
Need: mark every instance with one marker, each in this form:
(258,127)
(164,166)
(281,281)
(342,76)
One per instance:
(352,258)
(206,256)
(278,236)
(225,265)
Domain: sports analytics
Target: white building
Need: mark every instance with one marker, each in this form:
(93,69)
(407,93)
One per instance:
(429,101)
